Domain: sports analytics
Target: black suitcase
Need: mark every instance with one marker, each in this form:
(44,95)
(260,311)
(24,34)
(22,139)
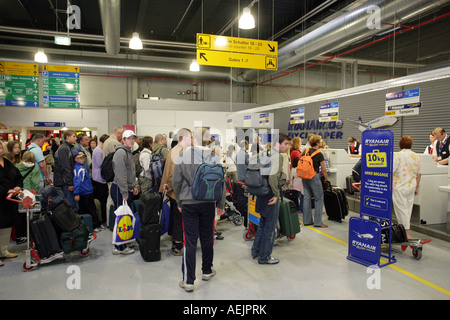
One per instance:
(64,217)
(150,242)
(240,200)
(336,204)
(348,182)
(150,206)
(45,238)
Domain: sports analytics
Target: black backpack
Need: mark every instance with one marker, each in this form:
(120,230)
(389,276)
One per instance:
(157,169)
(106,169)
(256,175)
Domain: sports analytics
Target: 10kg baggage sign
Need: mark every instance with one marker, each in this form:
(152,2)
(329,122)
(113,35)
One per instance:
(376,173)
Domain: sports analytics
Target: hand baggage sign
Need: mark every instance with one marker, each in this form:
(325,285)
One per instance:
(376,173)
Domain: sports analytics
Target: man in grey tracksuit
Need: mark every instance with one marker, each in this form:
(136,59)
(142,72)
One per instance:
(198,216)
(125,183)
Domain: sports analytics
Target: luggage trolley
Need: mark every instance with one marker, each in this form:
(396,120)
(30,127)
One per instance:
(29,205)
(253,222)
(416,245)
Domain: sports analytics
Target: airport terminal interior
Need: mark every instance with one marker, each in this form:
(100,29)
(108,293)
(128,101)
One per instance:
(338,69)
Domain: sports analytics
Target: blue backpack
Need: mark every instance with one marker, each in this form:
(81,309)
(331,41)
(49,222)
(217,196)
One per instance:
(208,181)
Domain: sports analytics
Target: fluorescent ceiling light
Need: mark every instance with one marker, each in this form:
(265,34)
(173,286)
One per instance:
(194,66)
(135,42)
(40,56)
(246,21)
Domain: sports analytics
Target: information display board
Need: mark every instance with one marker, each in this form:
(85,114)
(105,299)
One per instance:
(19,84)
(61,86)
(376,173)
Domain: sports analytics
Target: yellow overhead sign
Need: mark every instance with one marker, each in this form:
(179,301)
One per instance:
(236,60)
(234,44)
(18,68)
(60,68)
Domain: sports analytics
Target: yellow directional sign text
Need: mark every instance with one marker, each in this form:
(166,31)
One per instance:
(60,68)
(236,60)
(234,44)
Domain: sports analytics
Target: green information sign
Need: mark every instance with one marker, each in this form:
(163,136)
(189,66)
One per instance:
(60,86)
(19,84)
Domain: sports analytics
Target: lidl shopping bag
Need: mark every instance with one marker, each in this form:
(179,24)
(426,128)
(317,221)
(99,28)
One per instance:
(123,231)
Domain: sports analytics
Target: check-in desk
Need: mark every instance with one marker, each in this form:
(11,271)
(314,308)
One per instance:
(341,165)
(432,202)
(445,189)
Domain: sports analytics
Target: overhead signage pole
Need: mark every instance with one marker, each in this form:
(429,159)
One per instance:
(235,52)
(376,199)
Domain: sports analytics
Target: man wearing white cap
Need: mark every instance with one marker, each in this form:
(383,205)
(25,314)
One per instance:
(125,183)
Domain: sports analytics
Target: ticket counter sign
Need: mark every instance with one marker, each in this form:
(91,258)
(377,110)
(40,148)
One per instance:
(19,84)
(376,173)
(403,103)
(329,112)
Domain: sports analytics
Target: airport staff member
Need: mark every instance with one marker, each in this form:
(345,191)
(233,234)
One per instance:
(354,148)
(441,149)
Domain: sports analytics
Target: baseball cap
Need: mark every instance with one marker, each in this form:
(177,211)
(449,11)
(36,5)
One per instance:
(128,133)
(79,155)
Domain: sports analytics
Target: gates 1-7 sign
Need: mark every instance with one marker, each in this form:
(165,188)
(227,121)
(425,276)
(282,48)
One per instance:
(236,52)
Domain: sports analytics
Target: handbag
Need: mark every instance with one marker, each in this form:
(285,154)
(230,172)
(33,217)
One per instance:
(123,231)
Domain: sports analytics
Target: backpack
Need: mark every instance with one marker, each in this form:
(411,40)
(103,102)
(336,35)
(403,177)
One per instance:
(157,169)
(257,176)
(305,167)
(106,169)
(208,181)
(137,166)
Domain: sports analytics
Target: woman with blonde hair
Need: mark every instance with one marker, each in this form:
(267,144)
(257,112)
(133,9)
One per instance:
(313,187)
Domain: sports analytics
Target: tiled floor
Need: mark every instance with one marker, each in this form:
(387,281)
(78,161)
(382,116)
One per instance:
(313,266)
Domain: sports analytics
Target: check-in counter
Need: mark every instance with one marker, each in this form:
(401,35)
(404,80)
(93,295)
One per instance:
(341,165)
(433,204)
(445,189)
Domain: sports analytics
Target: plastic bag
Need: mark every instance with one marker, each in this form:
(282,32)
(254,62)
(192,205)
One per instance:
(123,231)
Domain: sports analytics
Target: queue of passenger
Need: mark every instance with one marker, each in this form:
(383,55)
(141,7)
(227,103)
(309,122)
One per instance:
(79,158)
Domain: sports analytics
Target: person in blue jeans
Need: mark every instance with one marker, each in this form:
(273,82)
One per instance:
(268,206)
(313,187)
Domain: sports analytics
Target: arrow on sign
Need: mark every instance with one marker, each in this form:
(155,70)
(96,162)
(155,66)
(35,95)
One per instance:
(202,55)
(272,49)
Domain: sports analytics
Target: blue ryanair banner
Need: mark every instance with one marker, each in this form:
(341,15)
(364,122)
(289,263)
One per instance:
(364,245)
(376,199)
(376,173)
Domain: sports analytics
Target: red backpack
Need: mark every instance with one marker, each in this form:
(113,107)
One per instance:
(305,168)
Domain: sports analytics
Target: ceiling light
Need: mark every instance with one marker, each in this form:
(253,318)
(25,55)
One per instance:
(194,66)
(135,42)
(246,21)
(40,56)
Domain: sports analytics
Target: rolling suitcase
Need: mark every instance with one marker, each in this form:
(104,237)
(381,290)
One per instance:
(150,241)
(45,238)
(150,205)
(288,218)
(336,204)
(348,182)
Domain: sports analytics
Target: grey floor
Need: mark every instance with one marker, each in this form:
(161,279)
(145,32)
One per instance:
(313,266)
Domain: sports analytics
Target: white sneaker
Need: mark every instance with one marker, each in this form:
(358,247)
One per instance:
(186,287)
(127,250)
(208,276)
